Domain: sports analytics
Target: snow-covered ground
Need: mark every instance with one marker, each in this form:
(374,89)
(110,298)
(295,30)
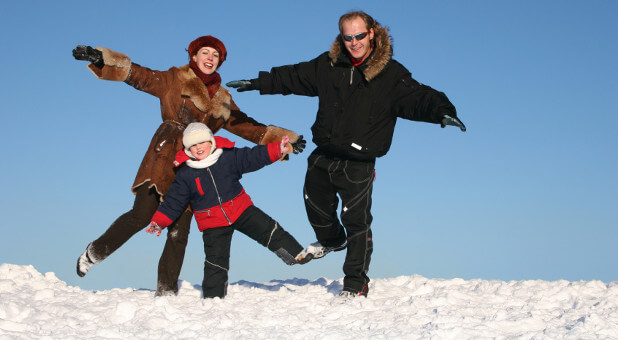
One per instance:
(34,305)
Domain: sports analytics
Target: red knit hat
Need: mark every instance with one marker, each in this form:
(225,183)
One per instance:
(208,41)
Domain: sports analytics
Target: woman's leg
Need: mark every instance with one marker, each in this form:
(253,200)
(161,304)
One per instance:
(125,226)
(173,255)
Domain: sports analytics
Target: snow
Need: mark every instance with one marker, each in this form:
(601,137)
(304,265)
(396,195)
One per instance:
(36,305)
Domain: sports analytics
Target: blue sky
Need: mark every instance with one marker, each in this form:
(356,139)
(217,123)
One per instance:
(528,192)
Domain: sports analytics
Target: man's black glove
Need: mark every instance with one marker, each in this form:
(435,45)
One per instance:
(299,145)
(244,85)
(90,54)
(454,121)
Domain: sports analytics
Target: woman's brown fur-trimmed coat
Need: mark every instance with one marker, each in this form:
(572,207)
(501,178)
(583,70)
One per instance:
(184,99)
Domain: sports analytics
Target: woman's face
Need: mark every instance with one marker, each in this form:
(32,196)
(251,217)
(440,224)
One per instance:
(201,150)
(207,60)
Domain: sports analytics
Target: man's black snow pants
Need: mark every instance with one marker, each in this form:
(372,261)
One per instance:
(352,180)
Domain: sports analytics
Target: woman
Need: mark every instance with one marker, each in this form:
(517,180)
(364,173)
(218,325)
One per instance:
(191,93)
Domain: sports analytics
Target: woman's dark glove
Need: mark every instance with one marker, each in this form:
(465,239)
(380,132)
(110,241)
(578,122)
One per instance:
(90,54)
(299,145)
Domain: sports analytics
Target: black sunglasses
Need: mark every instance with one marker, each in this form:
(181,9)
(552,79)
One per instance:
(359,36)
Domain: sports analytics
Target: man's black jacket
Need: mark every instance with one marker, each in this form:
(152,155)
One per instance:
(358,105)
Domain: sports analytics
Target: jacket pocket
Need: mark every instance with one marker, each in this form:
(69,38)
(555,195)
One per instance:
(210,218)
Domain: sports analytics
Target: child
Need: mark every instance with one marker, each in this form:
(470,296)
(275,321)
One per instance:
(210,182)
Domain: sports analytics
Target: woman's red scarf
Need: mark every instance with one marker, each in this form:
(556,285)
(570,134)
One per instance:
(212,81)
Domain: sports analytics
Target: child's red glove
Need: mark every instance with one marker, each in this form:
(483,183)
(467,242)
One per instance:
(284,145)
(154,228)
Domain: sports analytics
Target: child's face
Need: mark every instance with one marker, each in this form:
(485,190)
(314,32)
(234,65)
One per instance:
(201,150)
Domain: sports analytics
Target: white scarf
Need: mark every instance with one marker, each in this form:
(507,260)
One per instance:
(206,162)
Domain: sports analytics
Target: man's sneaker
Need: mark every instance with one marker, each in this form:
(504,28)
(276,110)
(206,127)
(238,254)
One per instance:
(318,250)
(348,295)
(303,257)
(84,262)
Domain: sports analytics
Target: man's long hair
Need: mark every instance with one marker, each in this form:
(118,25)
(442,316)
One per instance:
(369,22)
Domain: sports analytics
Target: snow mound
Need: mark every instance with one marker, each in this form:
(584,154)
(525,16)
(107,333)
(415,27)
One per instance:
(412,307)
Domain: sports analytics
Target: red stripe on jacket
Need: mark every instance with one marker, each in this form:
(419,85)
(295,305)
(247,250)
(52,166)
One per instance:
(198,183)
(224,214)
(217,216)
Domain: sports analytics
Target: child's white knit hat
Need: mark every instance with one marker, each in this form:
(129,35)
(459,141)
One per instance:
(196,133)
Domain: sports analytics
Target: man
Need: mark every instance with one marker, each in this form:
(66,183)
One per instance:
(362,91)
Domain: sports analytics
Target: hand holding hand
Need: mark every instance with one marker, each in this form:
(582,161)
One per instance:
(90,54)
(285,149)
(454,121)
(297,147)
(154,228)
(243,85)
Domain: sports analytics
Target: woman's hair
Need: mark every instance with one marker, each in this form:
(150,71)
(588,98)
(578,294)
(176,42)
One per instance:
(369,22)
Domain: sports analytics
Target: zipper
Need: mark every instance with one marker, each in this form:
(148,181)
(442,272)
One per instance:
(351,74)
(207,211)
(219,197)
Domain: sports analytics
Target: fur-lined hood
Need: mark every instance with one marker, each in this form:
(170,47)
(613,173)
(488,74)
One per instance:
(382,53)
